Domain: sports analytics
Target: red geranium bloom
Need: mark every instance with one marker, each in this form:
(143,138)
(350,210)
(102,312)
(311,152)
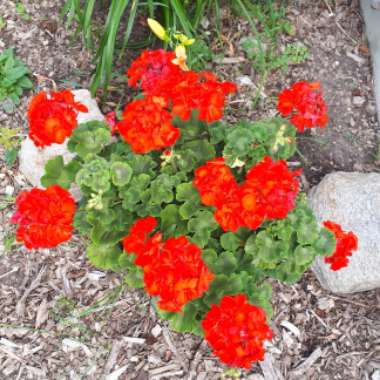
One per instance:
(269,192)
(270,189)
(203,92)
(173,270)
(178,275)
(52,117)
(304,104)
(138,240)
(151,69)
(236,331)
(212,181)
(346,243)
(45,217)
(147,125)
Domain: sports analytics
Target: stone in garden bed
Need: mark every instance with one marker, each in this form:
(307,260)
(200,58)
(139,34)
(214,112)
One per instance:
(33,159)
(353,201)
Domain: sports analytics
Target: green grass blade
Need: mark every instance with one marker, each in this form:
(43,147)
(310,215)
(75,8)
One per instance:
(181,15)
(87,16)
(107,45)
(130,24)
(151,8)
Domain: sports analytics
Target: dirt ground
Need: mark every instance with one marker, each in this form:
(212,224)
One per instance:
(62,319)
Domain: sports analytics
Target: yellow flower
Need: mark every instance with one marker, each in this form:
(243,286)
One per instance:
(184,40)
(180,60)
(158,29)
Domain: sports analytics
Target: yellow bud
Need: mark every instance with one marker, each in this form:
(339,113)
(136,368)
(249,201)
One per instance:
(185,41)
(158,29)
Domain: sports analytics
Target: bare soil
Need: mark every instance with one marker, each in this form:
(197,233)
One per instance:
(60,318)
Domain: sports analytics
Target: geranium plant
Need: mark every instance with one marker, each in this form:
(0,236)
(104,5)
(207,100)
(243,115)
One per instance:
(202,214)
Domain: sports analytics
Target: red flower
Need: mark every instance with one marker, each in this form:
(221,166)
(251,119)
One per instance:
(212,181)
(236,331)
(173,270)
(346,243)
(151,69)
(304,103)
(45,217)
(111,121)
(192,91)
(269,192)
(270,189)
(138,240)
(147,126)
(53,117)
(177,275)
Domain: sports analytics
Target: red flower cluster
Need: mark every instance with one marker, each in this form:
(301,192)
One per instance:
(151,69)
(197,91)
(53,117)
(185,91)
(346,242)
(173,270)
(305,104)
(269,192)
(45,217)
(236,330)
(147,125)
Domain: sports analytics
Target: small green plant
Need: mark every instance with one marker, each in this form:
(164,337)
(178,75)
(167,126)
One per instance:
(13,80)
(22,12)
(9,139)
(268,22)
(3,22)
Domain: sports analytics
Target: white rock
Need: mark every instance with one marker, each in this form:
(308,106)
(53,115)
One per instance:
(353,201)
(84,96)
(156,331)
(244,80)
(9,190)
(33,159)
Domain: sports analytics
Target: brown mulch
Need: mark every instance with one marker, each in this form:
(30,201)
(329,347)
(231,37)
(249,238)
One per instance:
(62,319)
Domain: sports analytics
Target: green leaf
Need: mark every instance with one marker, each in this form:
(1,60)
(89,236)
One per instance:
(304,255)
(306,234)
(95,174)
(202,224)
(121,173)
(104,256)
(135,278)
(326,243)
(230,242)
(16,73)
(89,138)
(11,156)
(26,83)
(57,173)
(226,263)
(186,192)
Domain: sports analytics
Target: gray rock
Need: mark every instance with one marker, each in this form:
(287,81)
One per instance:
(33,159)
(353,201)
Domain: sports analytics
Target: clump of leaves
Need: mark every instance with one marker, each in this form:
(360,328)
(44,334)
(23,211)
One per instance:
(14,80)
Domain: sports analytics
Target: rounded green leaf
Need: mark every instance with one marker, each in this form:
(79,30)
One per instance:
(121,173)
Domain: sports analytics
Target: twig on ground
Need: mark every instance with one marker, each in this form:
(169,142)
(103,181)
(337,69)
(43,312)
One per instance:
(269,370)
(20,307)
(302,368)
(116,347)
(173,349)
